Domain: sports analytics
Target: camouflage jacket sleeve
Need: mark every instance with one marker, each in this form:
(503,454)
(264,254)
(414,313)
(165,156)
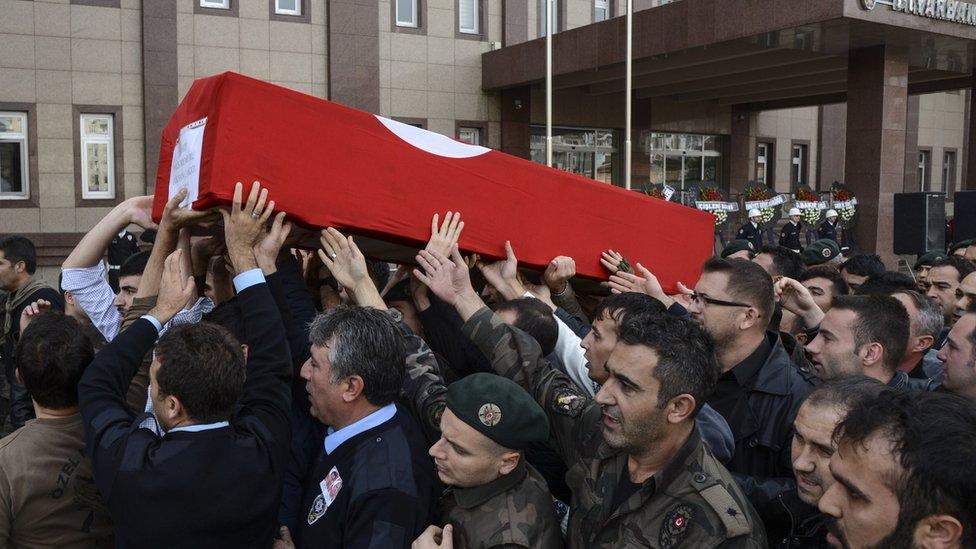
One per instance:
(423,386)
(574,418)
(138,392)
(566,300)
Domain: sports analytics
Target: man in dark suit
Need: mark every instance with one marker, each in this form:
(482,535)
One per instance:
(789,237)
(214,478)
(828,229)
(751,231)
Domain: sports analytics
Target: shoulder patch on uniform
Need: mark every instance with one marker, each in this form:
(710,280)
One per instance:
(568,401)
(674,526)
(732,516)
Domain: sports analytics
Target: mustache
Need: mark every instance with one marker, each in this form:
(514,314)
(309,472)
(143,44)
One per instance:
(612,411)
(831,524)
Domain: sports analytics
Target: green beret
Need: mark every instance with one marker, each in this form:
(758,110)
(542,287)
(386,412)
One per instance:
(961,244)
(929,258)
(498,408)
(738,246)
(820,252)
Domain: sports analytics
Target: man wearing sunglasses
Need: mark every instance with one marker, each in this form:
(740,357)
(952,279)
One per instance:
(759,389)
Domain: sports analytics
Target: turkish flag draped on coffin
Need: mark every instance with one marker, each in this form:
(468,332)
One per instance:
(329,165)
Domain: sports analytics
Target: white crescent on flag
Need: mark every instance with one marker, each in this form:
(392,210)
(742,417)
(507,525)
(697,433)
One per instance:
(431,142)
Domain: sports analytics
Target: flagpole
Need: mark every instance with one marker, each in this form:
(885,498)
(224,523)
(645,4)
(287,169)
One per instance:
(627,85)
(549,83)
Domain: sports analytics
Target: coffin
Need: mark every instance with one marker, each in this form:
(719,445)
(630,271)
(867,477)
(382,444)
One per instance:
(330,165)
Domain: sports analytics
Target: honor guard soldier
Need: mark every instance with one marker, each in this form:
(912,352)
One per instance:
(751,231)
(789,237)
(496,498)
(828,229)
(638,470)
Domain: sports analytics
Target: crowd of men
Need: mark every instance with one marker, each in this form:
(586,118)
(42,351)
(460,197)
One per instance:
(238,390)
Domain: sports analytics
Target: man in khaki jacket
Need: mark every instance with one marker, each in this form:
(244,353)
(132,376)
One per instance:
(639,472)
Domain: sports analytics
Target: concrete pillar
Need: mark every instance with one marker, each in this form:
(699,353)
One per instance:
(912,184)
(831,140)
(969,168)
(877,101)
(740,149)
(516,121)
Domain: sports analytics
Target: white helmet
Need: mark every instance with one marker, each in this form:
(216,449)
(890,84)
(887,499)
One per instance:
(794,211)
(754,213)
(831,213)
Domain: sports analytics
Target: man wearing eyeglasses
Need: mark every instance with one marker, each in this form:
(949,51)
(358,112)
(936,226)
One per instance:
(759,389)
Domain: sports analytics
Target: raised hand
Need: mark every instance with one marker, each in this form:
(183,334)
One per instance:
(445,235)
(447,278)
(346,262)
(796,298)
(175,289)
(244,223)
(176,218)
(646,283)
(269,244)
(33,311)
(503,274)
(614,261)
(558,273)
(139,211)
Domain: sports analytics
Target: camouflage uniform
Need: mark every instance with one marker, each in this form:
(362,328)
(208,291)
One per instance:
(514,510)
(693,502)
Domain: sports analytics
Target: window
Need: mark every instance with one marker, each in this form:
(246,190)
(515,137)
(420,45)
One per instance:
(924,169)
(468,16)
(97,156)
(542,16)
(949,172)
(590,152)
(682,160)
(471,136)
(798,166)
(219,4)
(288,7)
(406,13)
(601,10)
(765,160)
(14,181)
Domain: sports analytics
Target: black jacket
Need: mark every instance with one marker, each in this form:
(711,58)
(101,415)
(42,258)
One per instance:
(803,525)
(388,493)
(789,236)
(762,462)
(213,488)
(828,230)
(751,233)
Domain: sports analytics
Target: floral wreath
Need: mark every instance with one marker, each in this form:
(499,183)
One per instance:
(656,191)
(756,191)
(841,194)
(805,194)
(714,194)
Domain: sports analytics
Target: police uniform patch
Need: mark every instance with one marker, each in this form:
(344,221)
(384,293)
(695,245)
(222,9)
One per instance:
(568,401)
(675,525)
(318,509)
(489,414)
